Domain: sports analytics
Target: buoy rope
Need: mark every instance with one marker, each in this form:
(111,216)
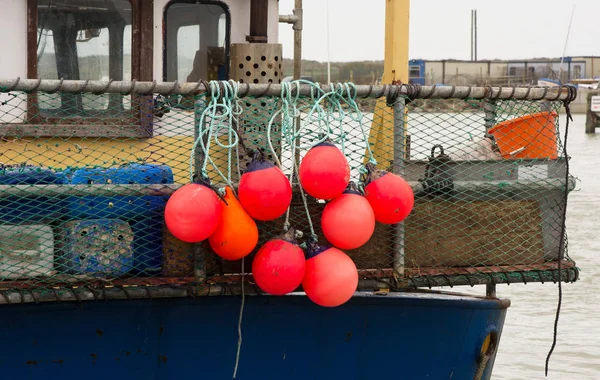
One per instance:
(324,110)
(221,114)
(562,243)
(291,113)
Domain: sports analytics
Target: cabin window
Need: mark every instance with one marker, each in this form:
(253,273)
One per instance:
(89,40)
(80,40)
(414,72)
(196,41)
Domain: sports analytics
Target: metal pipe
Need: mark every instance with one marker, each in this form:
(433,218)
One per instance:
(162,190)
(508,277)
(475,35)
(246,89)
(288,19)
(82,293)
(328,43)
(198,248)
(398,167)
(472,34)
(297,26)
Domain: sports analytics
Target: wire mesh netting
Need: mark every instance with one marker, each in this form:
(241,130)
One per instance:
(85,179)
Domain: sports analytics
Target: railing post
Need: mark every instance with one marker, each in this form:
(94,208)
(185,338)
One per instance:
(591,119)
(399,168)
(490,115)
(199,254)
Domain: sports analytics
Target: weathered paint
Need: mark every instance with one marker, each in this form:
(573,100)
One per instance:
(60,154)
(407,335)
(175,128)
(395,68)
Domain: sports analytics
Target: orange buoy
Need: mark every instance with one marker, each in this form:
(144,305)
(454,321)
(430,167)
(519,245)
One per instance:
(390,196)
(278,267)
(193,212)
(237,234)
(324,172)
(264,191)
(348,221)
(331,277)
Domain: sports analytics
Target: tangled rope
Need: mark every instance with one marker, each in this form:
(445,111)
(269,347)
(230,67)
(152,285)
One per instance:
(221,115)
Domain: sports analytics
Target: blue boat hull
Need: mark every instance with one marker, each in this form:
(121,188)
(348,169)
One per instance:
(402,335)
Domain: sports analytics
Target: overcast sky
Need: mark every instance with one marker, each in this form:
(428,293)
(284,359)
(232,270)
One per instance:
(440,29)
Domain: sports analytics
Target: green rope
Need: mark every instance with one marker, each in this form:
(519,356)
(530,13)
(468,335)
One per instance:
(221,114)
(326,111)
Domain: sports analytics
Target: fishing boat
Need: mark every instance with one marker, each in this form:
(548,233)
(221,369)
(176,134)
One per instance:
(95,282)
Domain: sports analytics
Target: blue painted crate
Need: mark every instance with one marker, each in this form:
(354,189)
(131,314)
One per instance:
(145,213)
(97,247)
(127,174)
(23,210)
(118,207)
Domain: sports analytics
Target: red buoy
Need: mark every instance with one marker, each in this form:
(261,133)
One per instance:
(331,277)
(348,221)
(278,267)
(324,172)
(390,196)
(193,213)
(264,191)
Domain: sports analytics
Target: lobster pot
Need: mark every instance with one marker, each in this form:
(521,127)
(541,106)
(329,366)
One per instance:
(98,247)
(26,251)
(32,209)
(143,213)
(258,63)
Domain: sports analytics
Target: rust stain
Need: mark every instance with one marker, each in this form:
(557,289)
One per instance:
(94,356)
(139,350)
(127,353)
(161,330)
(162,358)
(99,332)
(31,362)
(59,361)
(348,336)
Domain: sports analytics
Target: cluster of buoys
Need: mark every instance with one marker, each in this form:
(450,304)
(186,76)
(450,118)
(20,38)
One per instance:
(326,273)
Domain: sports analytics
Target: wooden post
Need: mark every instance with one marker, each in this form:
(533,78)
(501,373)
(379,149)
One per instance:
(591,120)
(259,16)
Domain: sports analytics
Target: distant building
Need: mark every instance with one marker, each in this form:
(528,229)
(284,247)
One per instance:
(501,72)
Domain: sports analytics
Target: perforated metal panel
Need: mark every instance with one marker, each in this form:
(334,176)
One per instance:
(257,63)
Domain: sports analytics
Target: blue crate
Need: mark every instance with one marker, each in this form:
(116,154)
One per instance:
(118,207)
(144,213)
(127,174)
(97,247)
(33,209)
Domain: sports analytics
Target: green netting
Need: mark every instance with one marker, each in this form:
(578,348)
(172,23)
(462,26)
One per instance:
(85,179)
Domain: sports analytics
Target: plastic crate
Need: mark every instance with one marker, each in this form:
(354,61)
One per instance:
(145,214)
(31,209)
(97,247)
(27,251)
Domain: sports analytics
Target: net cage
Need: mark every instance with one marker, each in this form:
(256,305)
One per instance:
(88,167)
